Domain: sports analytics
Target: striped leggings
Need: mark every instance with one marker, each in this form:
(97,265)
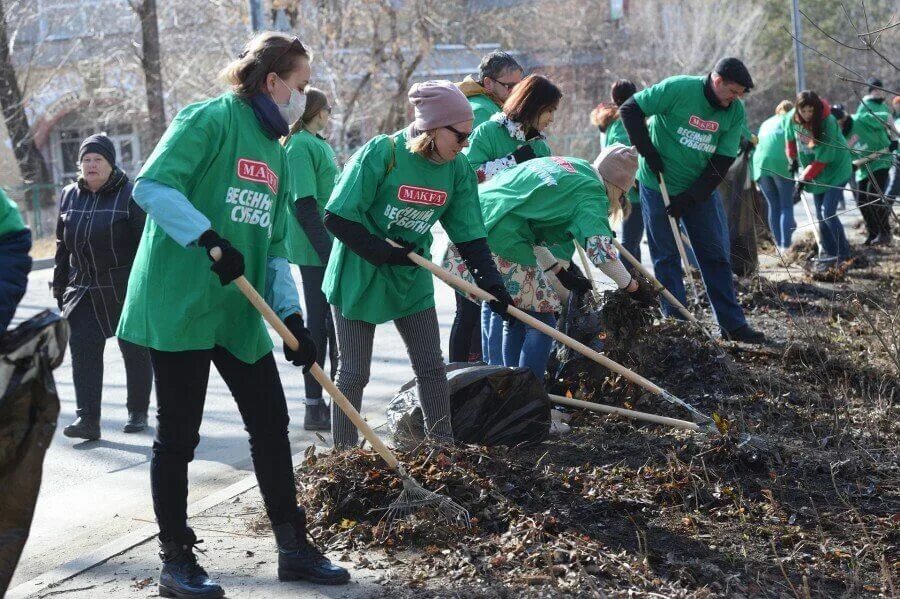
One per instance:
(422,337)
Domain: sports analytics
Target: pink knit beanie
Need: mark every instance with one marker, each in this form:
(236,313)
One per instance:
(438,104)
(617,164)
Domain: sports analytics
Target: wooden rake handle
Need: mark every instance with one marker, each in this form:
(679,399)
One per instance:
(676,233)
(285,333)
(533,322)
(644,416)
(662,289)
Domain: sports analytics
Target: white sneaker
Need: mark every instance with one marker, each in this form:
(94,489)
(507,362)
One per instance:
(558,427)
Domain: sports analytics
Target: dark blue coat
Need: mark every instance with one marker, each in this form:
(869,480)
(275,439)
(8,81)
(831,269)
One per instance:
(97,236)
(15,264)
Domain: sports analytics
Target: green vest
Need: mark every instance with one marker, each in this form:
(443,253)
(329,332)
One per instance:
(545,201)
(687,130)
(832,150)
(216,154)
(396,194)
(499,137)
(770,156)
(314,170)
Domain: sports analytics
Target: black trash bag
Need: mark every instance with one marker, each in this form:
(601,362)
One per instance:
(29,407)
(489,405)
(738,197)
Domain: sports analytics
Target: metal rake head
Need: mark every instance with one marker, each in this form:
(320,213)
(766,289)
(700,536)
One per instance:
(415,499)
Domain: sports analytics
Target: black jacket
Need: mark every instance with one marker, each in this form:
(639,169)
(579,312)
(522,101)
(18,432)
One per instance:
(97,236)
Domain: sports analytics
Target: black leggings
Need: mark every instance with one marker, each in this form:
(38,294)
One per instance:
(321,326)
(465,334)
(875,211)
(181,380)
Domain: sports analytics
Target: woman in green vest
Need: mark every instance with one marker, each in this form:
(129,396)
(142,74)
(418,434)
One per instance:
(814,138)
(516,134)
(512,136)
(633,223)
(397,187)
(314,170)
(219,179)
(551,202)
(772,173)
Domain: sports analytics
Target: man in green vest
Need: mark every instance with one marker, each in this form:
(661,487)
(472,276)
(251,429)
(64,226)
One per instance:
(692,140)
(498,74)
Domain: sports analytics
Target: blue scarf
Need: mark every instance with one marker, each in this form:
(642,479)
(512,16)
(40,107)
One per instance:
(270,119)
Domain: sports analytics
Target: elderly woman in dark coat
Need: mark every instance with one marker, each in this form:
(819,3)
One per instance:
(97,236)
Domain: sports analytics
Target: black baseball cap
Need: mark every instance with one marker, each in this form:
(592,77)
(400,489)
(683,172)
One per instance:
(732,69)
(874,83)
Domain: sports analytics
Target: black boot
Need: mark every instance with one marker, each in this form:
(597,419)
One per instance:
(84,427)
(299,559)
(317,417)
(745,334)
(181,576)
(137,421)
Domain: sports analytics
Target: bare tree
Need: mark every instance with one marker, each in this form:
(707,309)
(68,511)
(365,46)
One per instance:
(30,160)
(152,66)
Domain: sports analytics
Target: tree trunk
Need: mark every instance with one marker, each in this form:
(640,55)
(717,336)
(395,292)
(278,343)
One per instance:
(150,63)
(31,162)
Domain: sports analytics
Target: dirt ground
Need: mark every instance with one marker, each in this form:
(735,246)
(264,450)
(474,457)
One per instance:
(799,497)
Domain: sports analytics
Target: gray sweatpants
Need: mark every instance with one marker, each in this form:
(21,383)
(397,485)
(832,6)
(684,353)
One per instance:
(422,337)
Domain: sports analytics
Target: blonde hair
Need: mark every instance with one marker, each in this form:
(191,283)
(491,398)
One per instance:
(421,144)
(784,107)
(618,210)
(267,52)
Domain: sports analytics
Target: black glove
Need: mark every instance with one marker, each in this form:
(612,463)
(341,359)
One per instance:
(892,147)
(654,162)
(398,255)
(572,279)
(798,191)
(504,300)
(231,265)
(794,167)
(524,154)
(645,293)
(678,204)
(305,355)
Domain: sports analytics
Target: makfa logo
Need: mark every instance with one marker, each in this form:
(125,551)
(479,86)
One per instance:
(698,123)
(258,172)
(421,195)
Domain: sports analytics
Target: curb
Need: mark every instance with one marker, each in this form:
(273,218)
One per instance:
(83,563)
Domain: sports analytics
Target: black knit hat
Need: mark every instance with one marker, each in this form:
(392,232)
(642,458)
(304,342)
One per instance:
(874,83)
(98,144)
(732,69)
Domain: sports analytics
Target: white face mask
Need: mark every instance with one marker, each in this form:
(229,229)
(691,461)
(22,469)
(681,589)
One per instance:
(295,107)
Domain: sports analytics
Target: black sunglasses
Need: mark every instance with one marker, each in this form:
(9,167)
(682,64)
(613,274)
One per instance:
(508,86)
(461,136)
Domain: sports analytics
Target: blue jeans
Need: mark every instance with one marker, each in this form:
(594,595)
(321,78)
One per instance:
(831,230)
(525,347)
(633,231)
(707,229)
(491,336)
(779,193)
